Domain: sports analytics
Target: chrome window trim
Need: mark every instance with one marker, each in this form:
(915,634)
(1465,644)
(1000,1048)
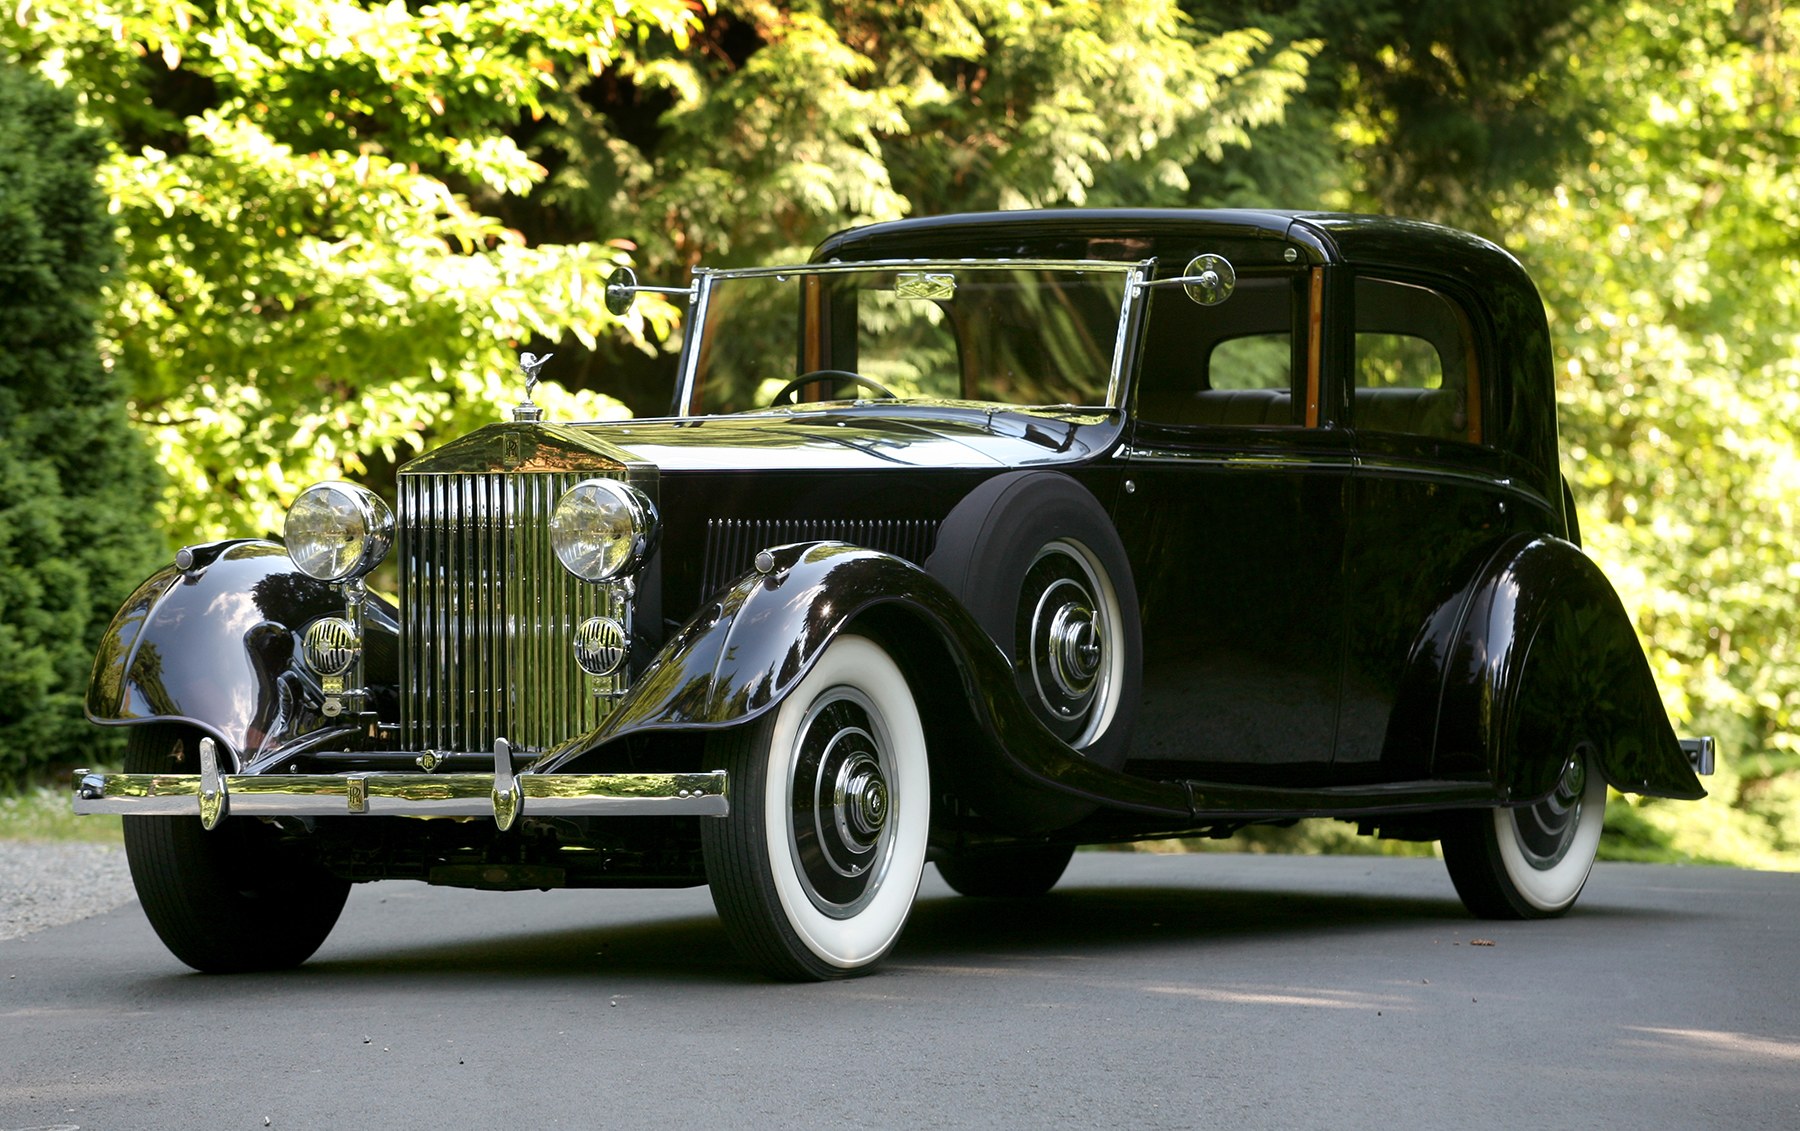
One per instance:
(1110,266)
(690,352)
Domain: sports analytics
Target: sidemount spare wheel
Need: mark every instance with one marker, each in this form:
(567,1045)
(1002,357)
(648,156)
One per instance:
(1531,861)
(233,899)
(1034,558)
(815,870)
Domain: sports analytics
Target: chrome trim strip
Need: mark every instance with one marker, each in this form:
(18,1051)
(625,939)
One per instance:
(1390,468)
(698,307)
(406,794)
(1335,461)
(835,267)
(1134,283)
(1324,461)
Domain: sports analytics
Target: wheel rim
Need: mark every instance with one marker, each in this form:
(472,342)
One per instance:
(840,803)
(1545,831)
(1070,640)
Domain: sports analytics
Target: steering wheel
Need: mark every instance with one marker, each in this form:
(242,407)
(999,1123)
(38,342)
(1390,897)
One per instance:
(790,392)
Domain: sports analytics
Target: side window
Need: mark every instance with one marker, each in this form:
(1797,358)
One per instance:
(1254,361)
(1241,363)
(1416,369)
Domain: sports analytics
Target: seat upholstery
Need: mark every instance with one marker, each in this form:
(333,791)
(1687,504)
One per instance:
(1239,407)
(1417,412)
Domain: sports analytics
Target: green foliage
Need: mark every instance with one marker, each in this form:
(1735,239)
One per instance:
(75,481)
(1671,268)
(312,288)
(341,219)
(794,120)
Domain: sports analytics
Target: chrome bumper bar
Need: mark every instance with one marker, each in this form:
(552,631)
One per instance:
(501,795)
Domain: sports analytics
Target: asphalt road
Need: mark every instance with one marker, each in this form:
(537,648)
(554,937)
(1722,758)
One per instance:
(1145,992)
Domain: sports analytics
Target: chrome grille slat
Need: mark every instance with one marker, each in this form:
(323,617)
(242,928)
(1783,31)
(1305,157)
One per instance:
(732,543)
(490,614)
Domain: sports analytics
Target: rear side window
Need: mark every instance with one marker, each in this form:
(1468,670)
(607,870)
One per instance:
(1235,364)
(1416,370)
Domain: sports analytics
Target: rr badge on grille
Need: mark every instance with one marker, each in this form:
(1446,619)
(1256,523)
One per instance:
(600,645)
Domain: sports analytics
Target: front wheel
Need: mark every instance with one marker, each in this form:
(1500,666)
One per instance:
(815,870)
(1532,861)
(227,900)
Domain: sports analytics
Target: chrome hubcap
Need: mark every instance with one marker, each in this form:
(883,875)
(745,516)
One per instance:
(1074,651)
(861,801)
(1547,829)
(840,803)
(1064,632)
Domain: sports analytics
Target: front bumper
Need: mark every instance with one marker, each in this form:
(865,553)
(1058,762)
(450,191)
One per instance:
(502,795)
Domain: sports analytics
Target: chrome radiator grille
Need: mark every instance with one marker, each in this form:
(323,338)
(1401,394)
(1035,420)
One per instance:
(731,543)
(488,615)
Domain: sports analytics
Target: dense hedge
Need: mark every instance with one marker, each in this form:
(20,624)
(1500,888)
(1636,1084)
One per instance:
(77,484)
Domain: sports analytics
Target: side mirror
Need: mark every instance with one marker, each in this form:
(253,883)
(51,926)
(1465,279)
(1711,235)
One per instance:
(1209,279)
(622,290)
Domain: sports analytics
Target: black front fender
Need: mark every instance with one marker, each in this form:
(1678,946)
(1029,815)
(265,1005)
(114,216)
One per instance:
(214,646)
(741,656)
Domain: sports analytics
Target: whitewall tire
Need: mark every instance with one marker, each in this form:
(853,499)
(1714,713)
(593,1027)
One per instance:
(815,870)
(1531,861)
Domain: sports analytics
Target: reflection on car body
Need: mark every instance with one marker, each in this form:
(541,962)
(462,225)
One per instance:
(972,540)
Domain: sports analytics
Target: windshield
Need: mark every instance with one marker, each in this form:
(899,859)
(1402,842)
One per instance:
(1011,332)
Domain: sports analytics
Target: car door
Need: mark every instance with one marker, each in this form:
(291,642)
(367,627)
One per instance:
(1432,496)
(1233,516)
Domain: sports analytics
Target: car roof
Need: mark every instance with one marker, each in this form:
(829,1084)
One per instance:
(1174,235)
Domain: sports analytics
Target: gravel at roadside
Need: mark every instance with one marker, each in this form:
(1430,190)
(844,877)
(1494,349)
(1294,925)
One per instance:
(50,884)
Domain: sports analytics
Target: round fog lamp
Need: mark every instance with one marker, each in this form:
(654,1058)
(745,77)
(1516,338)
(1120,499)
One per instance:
(602,529)
(338,531)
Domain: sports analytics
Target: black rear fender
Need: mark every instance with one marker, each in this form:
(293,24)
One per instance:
(1534,658)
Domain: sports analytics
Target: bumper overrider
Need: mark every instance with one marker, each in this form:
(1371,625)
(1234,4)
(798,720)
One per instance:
(504,795)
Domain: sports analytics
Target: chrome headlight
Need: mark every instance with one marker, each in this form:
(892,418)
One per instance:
(338,531)
(602,529)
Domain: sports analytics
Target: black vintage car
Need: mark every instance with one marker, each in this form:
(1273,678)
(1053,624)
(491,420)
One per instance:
(970,541)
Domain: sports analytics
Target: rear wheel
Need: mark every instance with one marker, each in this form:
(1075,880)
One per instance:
(1010,872)
(1532,861)
(815,870)
(232,899)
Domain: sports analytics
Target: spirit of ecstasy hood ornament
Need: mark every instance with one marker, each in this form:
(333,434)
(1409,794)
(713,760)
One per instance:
(530,364)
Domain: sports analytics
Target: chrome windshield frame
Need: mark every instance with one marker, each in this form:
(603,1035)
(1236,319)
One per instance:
(1133,275)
